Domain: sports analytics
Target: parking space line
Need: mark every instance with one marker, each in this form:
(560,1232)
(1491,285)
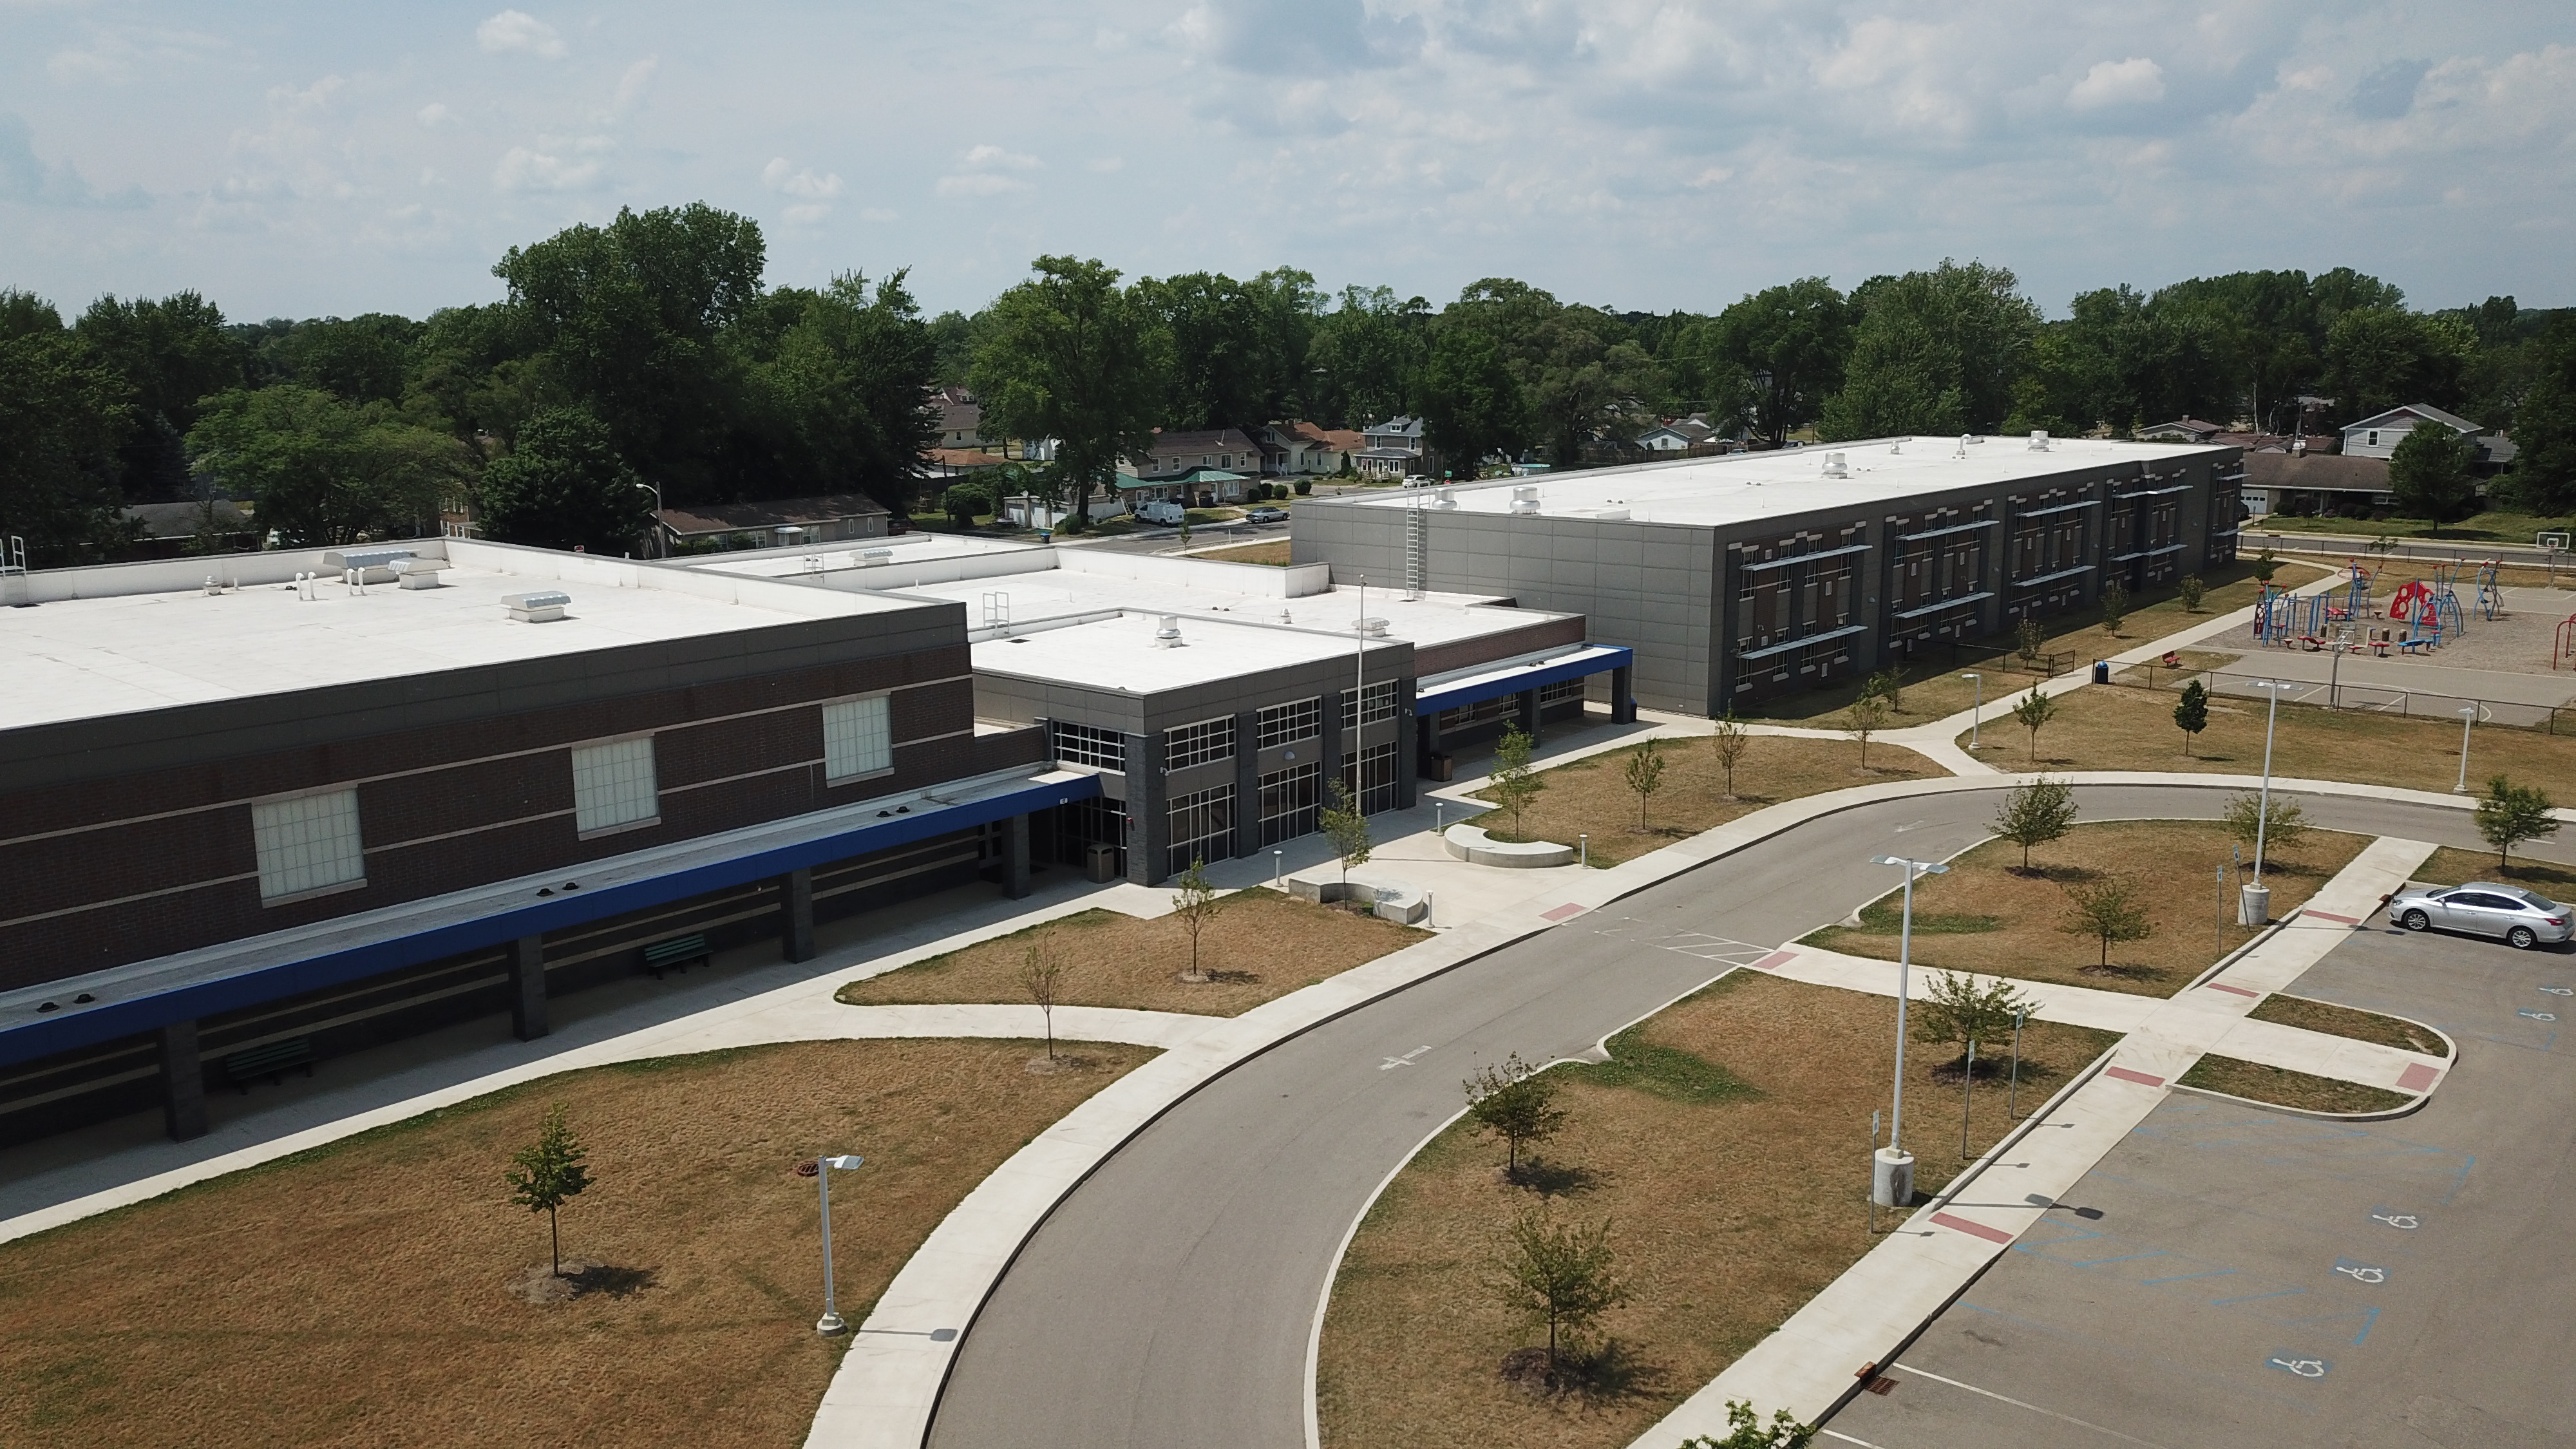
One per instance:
(2019,1404)
(1846,1438)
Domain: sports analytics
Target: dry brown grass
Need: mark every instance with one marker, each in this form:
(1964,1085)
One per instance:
(2121,727)
(2280,1087)
(2350,1022)
(1731,1205)
(2451,865)
(358,1294)
(1261,945)
(1591,796)
(1274,553)
(1986,916)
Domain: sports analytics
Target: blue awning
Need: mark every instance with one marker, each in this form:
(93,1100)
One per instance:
(147,995)
(1483,682)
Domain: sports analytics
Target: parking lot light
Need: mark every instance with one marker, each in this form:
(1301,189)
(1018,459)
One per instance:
(2254,907)
(2468,717)
(1891,1175)
(1977,709)
(830,1323)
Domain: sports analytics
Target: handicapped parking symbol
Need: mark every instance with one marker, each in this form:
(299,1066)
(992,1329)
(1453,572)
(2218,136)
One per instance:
(2560,990)
(2300,1364)
(2360,1272)
(2403,1222)
(2537,1015)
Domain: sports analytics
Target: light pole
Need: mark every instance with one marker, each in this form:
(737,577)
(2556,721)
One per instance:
(2254,905)
(661,549)
(1891,1175)
(1976,710)
(2468,717)
(830,1322)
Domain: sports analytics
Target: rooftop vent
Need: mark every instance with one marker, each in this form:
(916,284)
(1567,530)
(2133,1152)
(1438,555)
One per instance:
(1837,466)
(2039,440)
(1445,498)
(543,607)
(868,557)
(1169,635)
(420,573)
(1372,627)
(365,558)
(1525,498)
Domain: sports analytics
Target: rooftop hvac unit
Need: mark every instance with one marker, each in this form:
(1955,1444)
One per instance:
(536,608)
(867,557)
(1372,627)
(420,573)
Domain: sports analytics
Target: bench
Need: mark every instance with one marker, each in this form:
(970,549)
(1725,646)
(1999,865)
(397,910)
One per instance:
(271,1061)
(677,952)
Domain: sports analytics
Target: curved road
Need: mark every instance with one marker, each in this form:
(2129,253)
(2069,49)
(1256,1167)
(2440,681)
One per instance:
(1168,1301)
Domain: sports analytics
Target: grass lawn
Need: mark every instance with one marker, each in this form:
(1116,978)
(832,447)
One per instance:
(2125,727)
(2451,865)
(2497,527)
(1986,916)
(2345,1021)
(2279,1087)
(1725,1143)
(1260,945)
(1274,553)
(1937,692)
(362,1293)
(1591,796)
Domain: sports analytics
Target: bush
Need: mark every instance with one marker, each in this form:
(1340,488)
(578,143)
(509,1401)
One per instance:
(1305,486)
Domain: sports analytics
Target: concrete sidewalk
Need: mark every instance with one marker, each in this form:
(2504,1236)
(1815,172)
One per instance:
(1817,1359)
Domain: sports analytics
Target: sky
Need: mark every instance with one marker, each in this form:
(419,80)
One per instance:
(303,159)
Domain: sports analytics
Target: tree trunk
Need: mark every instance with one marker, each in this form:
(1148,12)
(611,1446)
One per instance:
(555,1231)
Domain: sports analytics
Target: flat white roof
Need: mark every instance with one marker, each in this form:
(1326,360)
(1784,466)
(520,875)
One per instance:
(1121,653)
(1025,600)
(118,648)
(1750,487)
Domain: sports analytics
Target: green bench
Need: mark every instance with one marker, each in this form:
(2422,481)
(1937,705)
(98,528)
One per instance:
(272,1061)
(677,952)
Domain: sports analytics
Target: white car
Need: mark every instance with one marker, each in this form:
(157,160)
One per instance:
(2482,908)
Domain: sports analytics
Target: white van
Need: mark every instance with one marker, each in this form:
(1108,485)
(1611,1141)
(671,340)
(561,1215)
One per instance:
(1163,511)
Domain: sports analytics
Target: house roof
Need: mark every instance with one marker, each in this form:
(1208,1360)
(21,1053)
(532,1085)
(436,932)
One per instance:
(1402,427)
(2316,470)
(2196,427)
(775,513)
(2421,412)
(1205,440)
(180,520)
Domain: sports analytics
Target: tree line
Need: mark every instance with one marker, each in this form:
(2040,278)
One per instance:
(648,359)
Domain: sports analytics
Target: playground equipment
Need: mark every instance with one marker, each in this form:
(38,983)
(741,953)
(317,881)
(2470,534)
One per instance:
(2490,591)
(2428,610)
(2272,615)
(2566,646)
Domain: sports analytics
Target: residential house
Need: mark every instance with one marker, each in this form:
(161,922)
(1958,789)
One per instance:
(2378,435)
(1677,435)
(778,523)
(1393,449)
(1299,449)
(213,525)
(961,418)
(2182,430)
(1193,460)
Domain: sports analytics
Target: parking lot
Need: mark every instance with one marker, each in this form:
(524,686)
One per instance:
(2231,1276)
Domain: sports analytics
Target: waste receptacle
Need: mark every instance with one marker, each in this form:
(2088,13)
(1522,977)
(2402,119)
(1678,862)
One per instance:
(2254,906)
(2101,671)
(1100,863)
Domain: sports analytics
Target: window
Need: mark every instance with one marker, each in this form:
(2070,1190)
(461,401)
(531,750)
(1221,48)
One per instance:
(1202,828)
(307,843)
(613,785)
(2374,439)
(1379,704)
(1560,692)
(1370,779)
(1288,803)
(1196,744)
(858,738)
(1286,724)
(1083,745)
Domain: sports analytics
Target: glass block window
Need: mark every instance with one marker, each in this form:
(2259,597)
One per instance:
(1196,744)
(858,738)
(1085,745)
(1377,704)
(1286,724)
(1288,803)
(1202,828)
(307,843)
(613,784)
(1369,778)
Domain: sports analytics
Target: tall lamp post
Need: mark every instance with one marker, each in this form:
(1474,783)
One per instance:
(2254,904)
(661,548)
(830,1322)
(1891,1168)
(1977,710)
(2468,717)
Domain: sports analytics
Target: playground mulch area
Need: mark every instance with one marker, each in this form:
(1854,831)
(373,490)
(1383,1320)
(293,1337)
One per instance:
(377,1291)
(2519,638)
(2124,727)
(1986,916)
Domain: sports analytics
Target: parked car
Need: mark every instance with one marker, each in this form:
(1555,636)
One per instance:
(2483,908)
(1266,514)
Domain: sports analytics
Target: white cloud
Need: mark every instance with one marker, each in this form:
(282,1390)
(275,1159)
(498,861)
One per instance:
(989,155)
(630,86)
(981,183)
(783,176)
(2130,82)
(525,168)
(518,30)
(435,113)
(112,53)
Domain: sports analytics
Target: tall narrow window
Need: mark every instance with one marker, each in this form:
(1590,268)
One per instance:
(613,784)
(858,738)
(307,843)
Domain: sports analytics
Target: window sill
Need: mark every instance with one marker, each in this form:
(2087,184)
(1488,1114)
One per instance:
(316,893)
(607,830)
(835,782)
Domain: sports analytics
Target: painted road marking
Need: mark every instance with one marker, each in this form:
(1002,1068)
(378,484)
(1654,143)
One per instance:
(1907,1368)
(2236,990)
(1775,959)
(2537,1015)
(2331,916)
(1976,1230)
(2417,1077)
(1563,912)
(2560,990)
(2303,1365)
(2360,1272)
(2402,1222)
(2141,1078)
(1406,1060)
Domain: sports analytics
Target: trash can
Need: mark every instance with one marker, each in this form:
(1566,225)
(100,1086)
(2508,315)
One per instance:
(1100,863)
(2101,671)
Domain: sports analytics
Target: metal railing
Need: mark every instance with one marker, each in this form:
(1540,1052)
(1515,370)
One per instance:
(2363,698)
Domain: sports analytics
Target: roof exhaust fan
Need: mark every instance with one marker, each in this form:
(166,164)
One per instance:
(2039,440)
(1169,635)
(1837,466)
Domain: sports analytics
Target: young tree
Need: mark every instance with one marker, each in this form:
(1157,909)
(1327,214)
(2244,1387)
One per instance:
(1195,904)
(2035,710)
(1042,969)
(2035,814)
(1517,1103)
(2193,591)
(549,1172)
(2429,474)
(961,502)
(1729,739)
(1644,773)
(564,487)
(2027,639)
(2107,909)
(1956,1010)
(1887,684)
(1560,1275)
(2512,814)
(1745,1431)
(2191,716)
(1067,355)
(2284,826)
(1513,784)
(2115,605)
(2266,565)
(1866,716)
(1345,826)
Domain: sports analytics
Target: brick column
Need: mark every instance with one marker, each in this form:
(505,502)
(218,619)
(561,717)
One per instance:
(1015,857)
(1528,700)
(1247,784)
(1404,777)
(528,988)
(183,1082)
(1623,702)
(1149,809)
(796,915)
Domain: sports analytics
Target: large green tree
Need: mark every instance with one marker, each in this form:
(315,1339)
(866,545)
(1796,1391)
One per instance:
(62,415)
(326,471)
(564,486)
(2377,358)
(1790,343)
(364,359)
(2543,480)
(1069,355)
(1935,352)
(1472,406)
(172,354)
(851,377)
(1229,359)
(2429,473)
(1366,357)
